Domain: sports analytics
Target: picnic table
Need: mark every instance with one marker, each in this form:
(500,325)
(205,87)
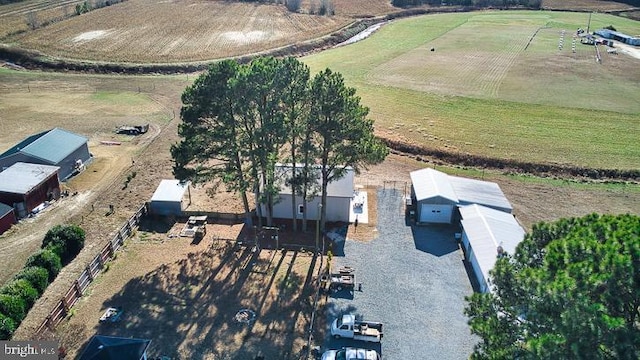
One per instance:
(111,315)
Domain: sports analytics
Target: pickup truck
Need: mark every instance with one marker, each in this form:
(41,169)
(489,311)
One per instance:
(347,326)
(350,353)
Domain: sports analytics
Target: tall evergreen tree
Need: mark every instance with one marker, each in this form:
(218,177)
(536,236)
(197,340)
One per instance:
(342,132)
(571,291)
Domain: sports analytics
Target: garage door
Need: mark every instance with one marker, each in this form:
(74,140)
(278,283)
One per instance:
(441,214)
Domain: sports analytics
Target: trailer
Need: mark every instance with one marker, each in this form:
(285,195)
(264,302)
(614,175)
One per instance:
(345,278)
(347,326)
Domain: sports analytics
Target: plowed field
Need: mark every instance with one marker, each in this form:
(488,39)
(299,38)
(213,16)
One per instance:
(147,31)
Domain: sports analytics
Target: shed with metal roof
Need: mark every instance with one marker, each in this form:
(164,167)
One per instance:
(436,195)
(56,147)
(487,234)
(168,199)
(24,186)
(7,217)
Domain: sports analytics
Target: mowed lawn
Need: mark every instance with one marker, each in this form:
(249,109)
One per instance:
(498,84)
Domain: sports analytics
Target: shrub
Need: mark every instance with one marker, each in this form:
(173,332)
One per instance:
(13,307)
(48,260)
(64,240)
(7,327)
(38,277)
(23,289)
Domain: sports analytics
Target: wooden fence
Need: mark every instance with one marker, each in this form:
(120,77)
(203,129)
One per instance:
(71,297)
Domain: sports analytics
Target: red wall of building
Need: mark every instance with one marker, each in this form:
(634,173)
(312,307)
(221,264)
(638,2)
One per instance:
(47,190)
(7,221)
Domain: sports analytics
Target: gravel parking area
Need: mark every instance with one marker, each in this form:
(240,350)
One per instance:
(414,281)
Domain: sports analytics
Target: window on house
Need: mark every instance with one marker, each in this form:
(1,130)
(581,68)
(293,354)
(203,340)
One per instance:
(300,209)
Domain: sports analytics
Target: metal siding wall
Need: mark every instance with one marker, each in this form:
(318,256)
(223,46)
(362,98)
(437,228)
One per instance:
(68,164)
(12,159)
(338,209)
(165,208)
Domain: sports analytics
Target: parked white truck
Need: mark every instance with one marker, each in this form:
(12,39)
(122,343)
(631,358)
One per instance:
(347,326)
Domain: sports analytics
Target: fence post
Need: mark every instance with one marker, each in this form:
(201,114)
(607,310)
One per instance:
(65,307)
(88,270)
(78,289)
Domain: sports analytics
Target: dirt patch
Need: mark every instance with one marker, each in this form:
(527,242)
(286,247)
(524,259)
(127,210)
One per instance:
(90,35)
(185,298)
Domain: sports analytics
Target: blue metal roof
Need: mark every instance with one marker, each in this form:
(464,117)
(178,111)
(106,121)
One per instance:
(51,146)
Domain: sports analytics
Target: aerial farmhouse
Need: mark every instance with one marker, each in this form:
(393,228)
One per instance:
(339,195)
(56,147)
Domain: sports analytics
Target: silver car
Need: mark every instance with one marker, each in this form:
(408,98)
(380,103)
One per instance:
(349,353)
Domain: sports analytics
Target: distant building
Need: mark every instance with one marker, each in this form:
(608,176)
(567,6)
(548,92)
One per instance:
(55,147)
(168,199)
(24,186)
(339,194)
(7,217)
(437,195)
(618,36)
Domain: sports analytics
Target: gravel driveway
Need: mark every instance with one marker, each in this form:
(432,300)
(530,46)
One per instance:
(414,281)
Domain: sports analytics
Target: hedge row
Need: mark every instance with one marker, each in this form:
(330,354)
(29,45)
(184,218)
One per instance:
(511,165)
(60,245)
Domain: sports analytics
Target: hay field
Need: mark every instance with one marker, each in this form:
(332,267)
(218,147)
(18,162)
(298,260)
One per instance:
(148,31)
(13,17)
(484,91)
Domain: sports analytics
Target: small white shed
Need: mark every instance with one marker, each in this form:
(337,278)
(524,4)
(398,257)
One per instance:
(168,199)
(486,234)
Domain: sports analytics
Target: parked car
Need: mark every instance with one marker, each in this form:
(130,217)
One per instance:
(349,353)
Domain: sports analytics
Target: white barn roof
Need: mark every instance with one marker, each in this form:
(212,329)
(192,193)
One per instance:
(342,187)
(471,191)
(487,229)
(170,190)
(21,177)
(429,183)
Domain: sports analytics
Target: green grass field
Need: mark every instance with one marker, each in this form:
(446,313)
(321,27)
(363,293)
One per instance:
(498,85)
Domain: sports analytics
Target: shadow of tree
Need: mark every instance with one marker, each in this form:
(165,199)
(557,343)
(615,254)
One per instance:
(188,308)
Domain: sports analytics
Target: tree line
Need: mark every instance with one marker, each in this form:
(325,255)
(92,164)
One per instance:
(535,4)
(239,121)
(60,246)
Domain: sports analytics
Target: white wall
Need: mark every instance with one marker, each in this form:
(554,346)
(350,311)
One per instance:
(337,208)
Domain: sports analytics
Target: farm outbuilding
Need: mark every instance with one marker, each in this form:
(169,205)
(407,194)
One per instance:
(56,147)
(25,186)
(168,199)
(437,195)
(487,234)
(102,347)
(339,195)
(618,36)
(7,217)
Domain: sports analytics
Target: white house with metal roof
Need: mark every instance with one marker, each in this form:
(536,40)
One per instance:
(168,199)
(339,196)
(487,233)
(56,147)
(437,195)
(24,186)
